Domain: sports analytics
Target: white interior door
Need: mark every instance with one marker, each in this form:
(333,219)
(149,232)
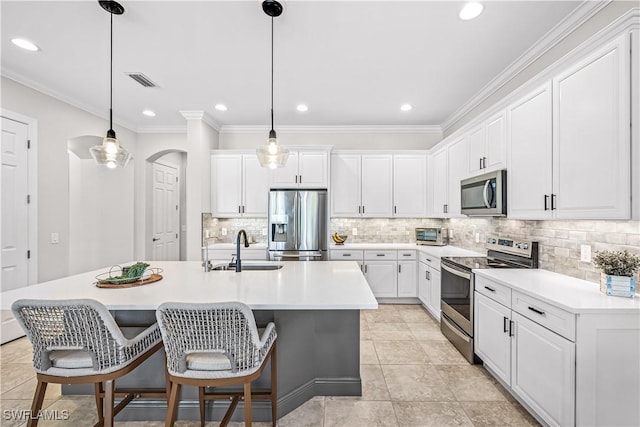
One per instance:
(166,213)
(15,217)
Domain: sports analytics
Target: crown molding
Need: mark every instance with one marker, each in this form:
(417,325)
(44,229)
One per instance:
(201,115)
(336,129)
(162,129)
(11,75)
(572,21)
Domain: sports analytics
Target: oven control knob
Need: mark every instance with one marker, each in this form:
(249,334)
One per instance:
(522,245)
(491,241)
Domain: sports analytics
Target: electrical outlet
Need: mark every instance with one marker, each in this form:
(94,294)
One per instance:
(264,231)
(55,238)
(585,253)
(451,233)
(354,232)
(224,231)
(477,237)
(206,234)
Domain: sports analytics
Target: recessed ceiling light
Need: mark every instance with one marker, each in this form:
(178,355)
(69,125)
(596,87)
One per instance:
(25,44)
(302,108)
(406,107)
(471,10)
(149,113)
(221,107)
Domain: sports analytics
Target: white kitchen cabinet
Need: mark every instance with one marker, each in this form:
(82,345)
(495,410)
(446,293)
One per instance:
(543,371)
(377,187)
(429,280)
(423,284)
(407,274)
(492,341)
(568,143)
(438,183)
(382,278)
(348,255)
(487,145)
(434,292)
(304,169)
(346,176)
(458,170)
(409,185)
(239,186)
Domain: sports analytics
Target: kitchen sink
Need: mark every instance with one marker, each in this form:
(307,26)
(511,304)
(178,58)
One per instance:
(247,267)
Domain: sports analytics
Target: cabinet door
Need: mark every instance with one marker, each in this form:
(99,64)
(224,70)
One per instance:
(226,185)
(382,278)
(458,170)
(543,371)
(434,292)
(529,156)
(477,152)
(491,335)
(345,185)
(312,169)
(423,283)
(255,187)
(496,145)
(591,151)
(439,182)
(377,177)
(407,279)
(286,177)
(410,186)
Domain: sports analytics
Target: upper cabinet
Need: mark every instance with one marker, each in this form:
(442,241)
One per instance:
(377,187)
(449,167)
(304,169)
(409,185)
(438,180)
(487,145)
(569,143)
(239,186)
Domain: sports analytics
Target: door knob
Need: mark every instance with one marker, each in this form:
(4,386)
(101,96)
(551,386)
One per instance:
(155,239)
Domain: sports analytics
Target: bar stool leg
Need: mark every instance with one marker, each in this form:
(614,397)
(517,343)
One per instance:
(247,404)
(108,403)
(274,385)
(99,400)
(36,405)
(201,402)
(173,405)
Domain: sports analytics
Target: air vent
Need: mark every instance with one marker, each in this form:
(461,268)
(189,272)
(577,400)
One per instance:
(142,79)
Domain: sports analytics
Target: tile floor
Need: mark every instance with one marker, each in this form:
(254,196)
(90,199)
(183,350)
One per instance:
(411,376)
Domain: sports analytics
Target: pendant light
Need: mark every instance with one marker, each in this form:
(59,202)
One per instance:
(272,154)
(110,153)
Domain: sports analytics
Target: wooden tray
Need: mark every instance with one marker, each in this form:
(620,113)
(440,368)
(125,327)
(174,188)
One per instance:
(150,279)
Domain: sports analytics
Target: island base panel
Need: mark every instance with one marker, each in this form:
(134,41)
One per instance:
(318,355)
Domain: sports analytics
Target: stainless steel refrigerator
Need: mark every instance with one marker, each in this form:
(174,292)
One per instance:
(298,225)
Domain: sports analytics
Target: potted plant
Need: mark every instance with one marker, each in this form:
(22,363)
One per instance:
(618,268)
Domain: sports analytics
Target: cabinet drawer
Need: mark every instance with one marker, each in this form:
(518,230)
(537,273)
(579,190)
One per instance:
(346,255)
(404,255)
(380,255)
(430,260)
(495,291)
(557,320)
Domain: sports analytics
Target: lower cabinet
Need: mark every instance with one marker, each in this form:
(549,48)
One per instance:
(492,339)
(429,285)
(407,279)
(382,277)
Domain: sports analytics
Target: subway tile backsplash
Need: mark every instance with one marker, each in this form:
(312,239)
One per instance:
(559,241)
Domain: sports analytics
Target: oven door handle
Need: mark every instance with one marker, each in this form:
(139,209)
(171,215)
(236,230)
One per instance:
(456,329)
(456,272)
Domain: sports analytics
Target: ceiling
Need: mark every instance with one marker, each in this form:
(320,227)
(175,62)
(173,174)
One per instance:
(351,62)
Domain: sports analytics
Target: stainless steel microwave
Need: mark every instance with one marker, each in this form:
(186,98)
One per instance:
(434,236)
(484,195)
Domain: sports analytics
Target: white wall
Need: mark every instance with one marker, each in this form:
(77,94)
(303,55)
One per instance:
(364,141)
(57,123)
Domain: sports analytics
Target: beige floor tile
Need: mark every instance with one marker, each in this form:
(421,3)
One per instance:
(358,413)
(408,307)
(368,354)
(419,315)
(439,414)
(143,424)
(14,412)
(426,331)
(390,332)
(469,383)
(382,316)
(17,351)
(309,414)
(14,374)
(374,386)
(400,353)
(70,411)
(443,353)
(365,335)
(486,414)
(27,389)
(416,383)
(387,307)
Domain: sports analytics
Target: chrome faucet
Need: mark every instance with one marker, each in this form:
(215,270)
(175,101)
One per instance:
(246,245)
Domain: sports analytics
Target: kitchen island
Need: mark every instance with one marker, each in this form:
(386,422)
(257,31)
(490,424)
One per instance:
(315,306)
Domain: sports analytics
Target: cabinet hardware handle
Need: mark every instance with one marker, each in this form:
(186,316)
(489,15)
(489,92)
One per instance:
(546,202)
(300,178)
(395,209)
(511,328)
(155,239)
(379,254)
(504,325)
(239,210)
(365,268)
(346,254)
(399,268)
(484,162)
(359,209)
(535,310)
(489,289)
(553,202)
(427,259)
(428,275)
(296,179)
(242,208)
(406,254)
(363,209)
(480,162)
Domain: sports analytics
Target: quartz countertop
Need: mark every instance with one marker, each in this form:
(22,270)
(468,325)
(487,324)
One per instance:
(224,246)
(328,285)
(436,251)
(571,294)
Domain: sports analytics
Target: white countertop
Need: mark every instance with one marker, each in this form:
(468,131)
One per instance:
(436,251)
(225,246)
(571,294)
(327,285)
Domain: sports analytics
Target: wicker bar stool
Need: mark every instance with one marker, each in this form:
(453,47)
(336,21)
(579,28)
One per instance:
(79,342)
(213,345)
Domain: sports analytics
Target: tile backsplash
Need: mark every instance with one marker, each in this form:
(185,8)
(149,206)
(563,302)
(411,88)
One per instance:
(559,241)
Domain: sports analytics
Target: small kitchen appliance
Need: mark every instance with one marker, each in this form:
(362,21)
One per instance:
(434,236)
(458,281)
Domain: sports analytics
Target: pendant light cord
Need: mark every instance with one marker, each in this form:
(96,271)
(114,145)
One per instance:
(111,79)
(272,73)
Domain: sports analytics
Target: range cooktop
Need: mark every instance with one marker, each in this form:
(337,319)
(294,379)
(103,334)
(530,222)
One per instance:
(502,253)
(479,262)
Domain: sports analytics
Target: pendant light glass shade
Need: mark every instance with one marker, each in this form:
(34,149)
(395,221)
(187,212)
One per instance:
(272,155)
(110,153)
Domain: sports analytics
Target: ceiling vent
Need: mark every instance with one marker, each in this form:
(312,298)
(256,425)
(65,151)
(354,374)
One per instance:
(142,79)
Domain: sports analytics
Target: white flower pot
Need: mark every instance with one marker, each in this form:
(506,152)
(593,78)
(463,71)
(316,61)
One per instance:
(621,286)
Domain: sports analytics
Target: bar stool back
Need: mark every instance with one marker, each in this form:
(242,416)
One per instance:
(212,345)
(79,342)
